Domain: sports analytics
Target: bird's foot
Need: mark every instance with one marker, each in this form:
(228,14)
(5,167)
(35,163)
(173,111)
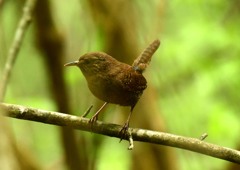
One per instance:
(93,120)
(95,116)
(124,132)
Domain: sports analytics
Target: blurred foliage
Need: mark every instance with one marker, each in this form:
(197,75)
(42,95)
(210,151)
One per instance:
(195,71)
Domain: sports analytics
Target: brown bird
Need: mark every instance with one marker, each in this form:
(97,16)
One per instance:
(113,81)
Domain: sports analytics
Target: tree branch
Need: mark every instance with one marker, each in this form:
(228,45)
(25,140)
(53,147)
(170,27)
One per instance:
(60,119)
(16,44)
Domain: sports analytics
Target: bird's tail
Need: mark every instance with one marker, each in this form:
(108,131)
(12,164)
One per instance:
(141,63)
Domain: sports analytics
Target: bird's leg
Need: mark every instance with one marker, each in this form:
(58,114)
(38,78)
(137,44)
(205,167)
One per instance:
(95,116)
(87,111)
(124,131)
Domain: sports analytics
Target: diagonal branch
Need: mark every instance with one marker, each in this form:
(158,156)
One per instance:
(16,44)
(60,119)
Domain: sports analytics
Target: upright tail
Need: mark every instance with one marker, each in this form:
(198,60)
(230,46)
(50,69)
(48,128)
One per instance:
(141,63)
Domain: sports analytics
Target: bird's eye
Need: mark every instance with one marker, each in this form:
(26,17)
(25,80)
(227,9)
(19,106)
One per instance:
(87,61)
(93,59)
(98,59)
(101,59)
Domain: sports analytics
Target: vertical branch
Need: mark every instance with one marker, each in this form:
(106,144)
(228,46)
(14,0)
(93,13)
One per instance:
(51,44)
(16,44)
(17,154)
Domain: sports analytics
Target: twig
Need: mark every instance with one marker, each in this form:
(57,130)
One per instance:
(131,145)
(16,44)
(192,144)
(203,136)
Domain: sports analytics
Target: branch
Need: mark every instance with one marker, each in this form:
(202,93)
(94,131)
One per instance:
(16,44)
(108,129)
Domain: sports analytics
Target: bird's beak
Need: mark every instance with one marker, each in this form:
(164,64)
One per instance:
(73,63)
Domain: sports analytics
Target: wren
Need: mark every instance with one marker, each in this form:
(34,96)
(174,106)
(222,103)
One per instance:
(113,81)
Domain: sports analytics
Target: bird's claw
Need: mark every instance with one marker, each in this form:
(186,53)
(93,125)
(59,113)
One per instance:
(92,121)
(124,132)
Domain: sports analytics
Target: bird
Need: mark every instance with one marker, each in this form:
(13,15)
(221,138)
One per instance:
(115,82)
